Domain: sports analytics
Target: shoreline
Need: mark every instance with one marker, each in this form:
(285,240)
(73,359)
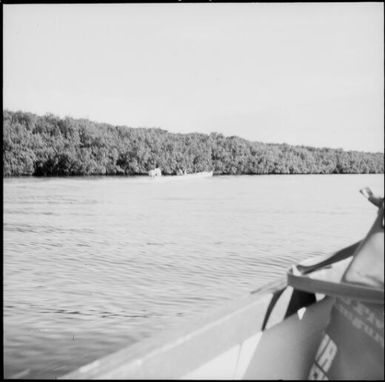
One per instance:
(167,175)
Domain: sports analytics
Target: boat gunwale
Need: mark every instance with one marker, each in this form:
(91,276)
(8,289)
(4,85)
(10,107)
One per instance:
(131,357)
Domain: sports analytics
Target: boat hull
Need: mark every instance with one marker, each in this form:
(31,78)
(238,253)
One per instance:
(198,175)
(227,345)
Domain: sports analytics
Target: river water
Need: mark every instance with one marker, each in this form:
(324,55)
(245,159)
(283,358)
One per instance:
(93,264)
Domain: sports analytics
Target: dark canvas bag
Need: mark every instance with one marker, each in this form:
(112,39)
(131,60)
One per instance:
(352,346)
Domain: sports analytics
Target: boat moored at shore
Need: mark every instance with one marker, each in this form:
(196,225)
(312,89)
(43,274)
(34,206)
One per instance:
(157,174)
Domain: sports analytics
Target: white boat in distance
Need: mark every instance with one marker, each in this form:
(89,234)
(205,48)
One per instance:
(156,174)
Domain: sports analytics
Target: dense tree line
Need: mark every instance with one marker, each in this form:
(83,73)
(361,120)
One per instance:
(49,145)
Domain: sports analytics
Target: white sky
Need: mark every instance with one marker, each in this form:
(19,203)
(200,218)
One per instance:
(300,73)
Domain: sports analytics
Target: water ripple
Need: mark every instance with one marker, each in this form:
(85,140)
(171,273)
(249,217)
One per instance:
(94,264)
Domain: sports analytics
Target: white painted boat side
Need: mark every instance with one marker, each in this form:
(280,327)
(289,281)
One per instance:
(228,344)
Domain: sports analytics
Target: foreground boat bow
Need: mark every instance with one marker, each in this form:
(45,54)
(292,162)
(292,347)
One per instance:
(226,345)
(274,333)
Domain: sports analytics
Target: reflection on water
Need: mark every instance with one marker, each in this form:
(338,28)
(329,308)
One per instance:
(94,264)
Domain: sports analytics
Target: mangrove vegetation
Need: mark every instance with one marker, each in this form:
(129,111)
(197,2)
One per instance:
(51,146)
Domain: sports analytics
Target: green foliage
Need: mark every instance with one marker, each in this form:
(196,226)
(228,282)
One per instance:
(49,146)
